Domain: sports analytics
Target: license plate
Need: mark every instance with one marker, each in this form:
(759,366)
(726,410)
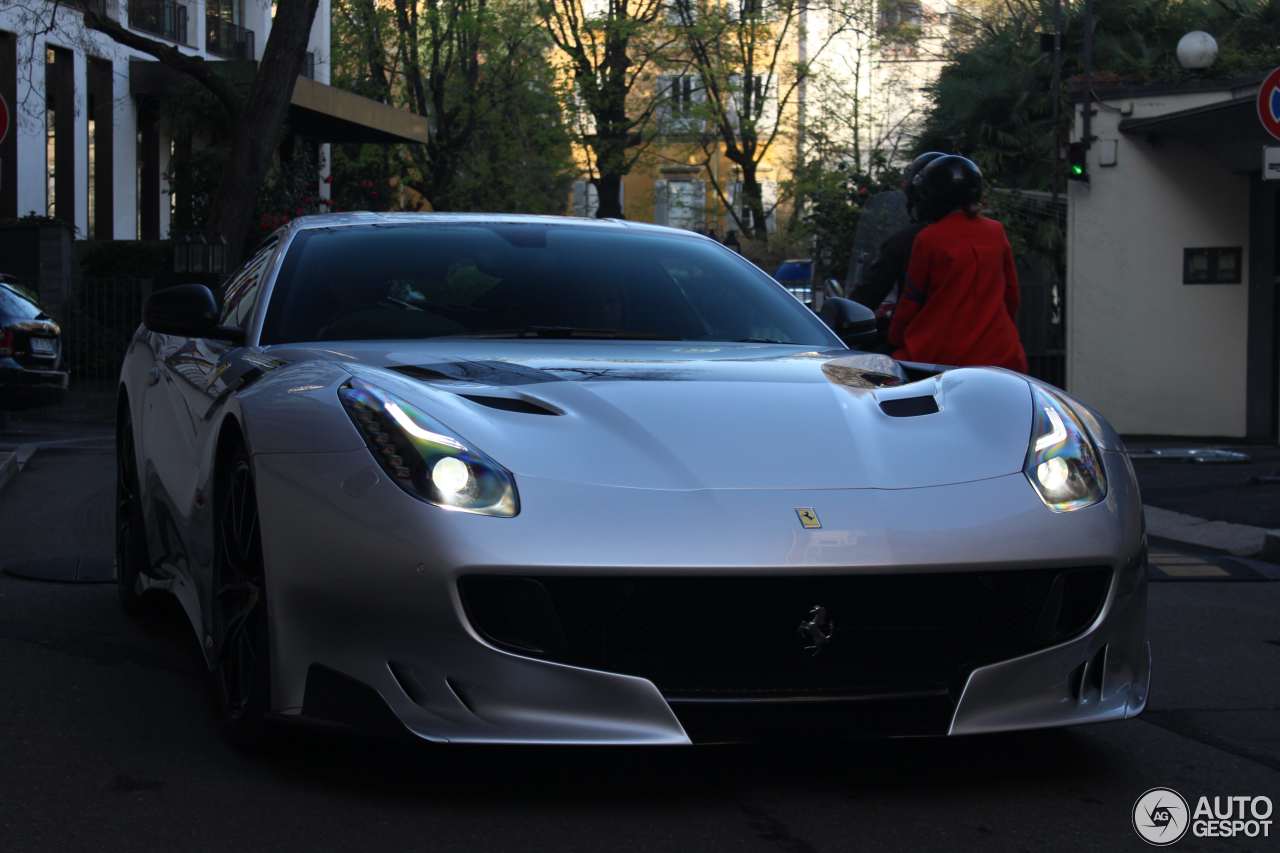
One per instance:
(44,346)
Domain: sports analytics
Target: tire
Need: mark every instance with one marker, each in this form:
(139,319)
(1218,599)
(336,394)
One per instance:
(241,662)
(132,560)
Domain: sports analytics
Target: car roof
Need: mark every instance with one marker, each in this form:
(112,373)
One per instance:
(336,220)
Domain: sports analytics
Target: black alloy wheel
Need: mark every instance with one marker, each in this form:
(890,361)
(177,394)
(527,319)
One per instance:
(241,665)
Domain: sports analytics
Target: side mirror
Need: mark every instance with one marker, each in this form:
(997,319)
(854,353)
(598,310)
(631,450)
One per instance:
(186,310)
(852,322)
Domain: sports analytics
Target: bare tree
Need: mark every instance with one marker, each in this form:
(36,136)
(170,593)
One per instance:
(611,48)
(752,59)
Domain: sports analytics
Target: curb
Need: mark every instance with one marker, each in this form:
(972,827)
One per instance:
(1241,540)
(1271,547)
(13,462)
(8,468)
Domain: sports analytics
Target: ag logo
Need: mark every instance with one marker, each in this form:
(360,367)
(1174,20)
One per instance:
(1161,817)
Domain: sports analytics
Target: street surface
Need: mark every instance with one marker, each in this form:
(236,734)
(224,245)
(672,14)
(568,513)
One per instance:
(110,744)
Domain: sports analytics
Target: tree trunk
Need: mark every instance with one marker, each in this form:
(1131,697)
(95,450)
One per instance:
(609,193)
(753,197)
(257,132)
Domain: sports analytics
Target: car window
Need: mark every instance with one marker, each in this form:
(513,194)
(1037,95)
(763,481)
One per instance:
(241,293)
(16,306)
(420,280)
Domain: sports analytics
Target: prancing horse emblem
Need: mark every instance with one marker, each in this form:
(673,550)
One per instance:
(808,518)
(816,630)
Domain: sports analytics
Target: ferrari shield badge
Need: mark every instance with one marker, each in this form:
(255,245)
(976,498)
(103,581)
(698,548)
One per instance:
(808,518)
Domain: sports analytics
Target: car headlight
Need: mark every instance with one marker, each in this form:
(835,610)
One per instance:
(424,457)
(1062,463)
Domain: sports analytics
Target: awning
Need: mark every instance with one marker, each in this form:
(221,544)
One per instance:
(316,111)
(1229,128)
(336,115)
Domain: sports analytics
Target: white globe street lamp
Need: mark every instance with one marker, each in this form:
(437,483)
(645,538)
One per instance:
(1197,50)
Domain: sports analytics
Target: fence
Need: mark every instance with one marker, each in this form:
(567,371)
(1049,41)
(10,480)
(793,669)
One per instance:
(98,320)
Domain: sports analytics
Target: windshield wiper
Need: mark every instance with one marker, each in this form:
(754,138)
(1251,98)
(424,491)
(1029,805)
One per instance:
(565,332)
(761,341)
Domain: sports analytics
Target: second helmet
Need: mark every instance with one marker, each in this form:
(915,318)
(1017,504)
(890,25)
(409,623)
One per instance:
(946,184)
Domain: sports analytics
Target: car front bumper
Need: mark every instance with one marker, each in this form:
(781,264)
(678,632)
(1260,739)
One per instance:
(363,588)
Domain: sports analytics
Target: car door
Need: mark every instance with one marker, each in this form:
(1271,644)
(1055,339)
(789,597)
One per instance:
(213,368)
(181,392)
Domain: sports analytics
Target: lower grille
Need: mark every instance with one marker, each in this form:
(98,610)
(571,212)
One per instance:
(704,640)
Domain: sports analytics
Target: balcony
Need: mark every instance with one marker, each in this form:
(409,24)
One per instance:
(226,39)
(164,18)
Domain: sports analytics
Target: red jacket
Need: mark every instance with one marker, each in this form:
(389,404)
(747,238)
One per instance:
(961,297)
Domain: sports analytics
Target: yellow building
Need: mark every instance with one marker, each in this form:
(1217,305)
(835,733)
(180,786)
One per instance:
(856,49)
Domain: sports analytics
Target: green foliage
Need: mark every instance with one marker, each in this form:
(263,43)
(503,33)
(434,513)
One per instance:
(519,158)
(834,196)
(994,102)
(478,69)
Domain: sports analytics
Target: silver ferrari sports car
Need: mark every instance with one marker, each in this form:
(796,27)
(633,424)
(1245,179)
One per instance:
(532,480)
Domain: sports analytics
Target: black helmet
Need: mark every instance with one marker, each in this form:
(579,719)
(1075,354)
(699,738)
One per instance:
(909,174)
(948,183)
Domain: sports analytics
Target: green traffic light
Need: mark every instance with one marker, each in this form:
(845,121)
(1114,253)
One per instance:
(1077,169)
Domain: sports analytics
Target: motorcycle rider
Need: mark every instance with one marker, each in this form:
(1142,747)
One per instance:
(960,298)
(887,272)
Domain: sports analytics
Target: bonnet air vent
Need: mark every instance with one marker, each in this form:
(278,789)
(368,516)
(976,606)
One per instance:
(509,404)
(909,407)
(426,374)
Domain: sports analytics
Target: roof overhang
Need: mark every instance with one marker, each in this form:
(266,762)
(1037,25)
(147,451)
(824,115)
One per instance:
(316,111)
(336,115)
(1229,128)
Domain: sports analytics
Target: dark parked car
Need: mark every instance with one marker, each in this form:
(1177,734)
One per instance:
(31,367)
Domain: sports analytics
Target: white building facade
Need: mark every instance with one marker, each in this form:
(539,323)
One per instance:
(85,147)
(1172,265)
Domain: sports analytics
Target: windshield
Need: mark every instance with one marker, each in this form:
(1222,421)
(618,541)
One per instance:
(427,280)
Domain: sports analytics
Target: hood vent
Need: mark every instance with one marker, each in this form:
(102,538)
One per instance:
(510,404)
(909,407)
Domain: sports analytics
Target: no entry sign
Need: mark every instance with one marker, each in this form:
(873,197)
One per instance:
(1269,103)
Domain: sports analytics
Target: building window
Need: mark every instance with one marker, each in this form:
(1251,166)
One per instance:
(586,199)
(680,11)
(680,203)
(165,18)
(60,123)
(680,95)
(898,15)
(225,30)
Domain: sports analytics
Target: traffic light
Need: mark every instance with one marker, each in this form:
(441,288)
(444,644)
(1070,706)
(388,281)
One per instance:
(1077,162)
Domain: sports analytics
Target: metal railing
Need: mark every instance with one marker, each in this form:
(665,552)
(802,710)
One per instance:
(227,39)
(98,320)
(165,18)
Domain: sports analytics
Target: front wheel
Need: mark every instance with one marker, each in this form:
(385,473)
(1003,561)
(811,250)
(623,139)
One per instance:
(242,669)
(132,560)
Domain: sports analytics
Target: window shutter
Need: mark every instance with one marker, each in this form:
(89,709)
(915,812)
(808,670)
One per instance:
(665,100)
(660,202)
(769,197)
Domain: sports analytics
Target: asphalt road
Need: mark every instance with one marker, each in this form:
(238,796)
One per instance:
(107,742)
